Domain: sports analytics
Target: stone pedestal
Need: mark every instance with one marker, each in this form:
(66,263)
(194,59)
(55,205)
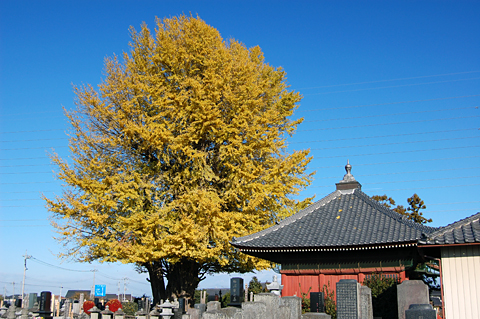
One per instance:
(420,312)
(315,315)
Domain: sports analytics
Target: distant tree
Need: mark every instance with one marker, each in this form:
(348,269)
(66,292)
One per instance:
(413,212)
(181,148)
(255,286)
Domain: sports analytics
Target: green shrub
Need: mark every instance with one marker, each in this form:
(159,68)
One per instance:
(384,295)
(330,305)
(129,308)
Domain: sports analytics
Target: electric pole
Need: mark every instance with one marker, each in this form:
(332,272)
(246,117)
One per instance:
(93,287)
(23,283)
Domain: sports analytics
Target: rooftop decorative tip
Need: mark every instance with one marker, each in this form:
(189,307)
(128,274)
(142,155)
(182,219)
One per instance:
(348,181)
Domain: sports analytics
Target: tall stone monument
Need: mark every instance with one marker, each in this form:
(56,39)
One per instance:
(45,303)
(236,292)
(348,299)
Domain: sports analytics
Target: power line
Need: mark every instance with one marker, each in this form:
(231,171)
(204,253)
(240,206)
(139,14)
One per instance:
(410,181)
(399,152)
(368,137)
(411,172)
(389,80)
(388,103)
(393,143)
(58,267)
(33,131)
(23,158)
(35,140)
(401,162)
(392,86)
(31,148)
(383,124)
(394,114)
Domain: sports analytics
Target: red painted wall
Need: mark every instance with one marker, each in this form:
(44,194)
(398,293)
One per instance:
(304,281)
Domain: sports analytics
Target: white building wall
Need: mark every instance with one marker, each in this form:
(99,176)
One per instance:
(461,282)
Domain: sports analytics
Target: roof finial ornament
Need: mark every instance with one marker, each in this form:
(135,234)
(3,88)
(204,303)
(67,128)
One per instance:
(348,177)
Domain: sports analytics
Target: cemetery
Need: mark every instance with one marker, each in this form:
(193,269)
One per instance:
(330,254)
(353,300)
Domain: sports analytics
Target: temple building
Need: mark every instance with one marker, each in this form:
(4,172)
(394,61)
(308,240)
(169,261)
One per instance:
(346,235)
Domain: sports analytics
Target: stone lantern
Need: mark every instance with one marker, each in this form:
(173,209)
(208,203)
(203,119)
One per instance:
(167,310)
(141,314)
(94,313)
(107,314)
(119,314)
(275,287)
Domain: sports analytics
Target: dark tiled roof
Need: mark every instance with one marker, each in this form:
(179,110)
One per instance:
(342,219)
(465,231)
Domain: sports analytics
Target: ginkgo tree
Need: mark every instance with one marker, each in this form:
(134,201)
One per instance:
(181,148)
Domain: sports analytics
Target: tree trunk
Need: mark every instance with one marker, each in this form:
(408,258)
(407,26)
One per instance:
(155,272)
(183,279)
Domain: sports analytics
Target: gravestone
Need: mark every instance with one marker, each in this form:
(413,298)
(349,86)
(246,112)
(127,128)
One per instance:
(213,305)
(411,292)
(236,292)
(348,299)
(45,302)
(254,310)
(424,311)
(271,301)
(181,305)
(32,299)
(366,308)
(294,306)
(317,302)
(201,307)
(194,313)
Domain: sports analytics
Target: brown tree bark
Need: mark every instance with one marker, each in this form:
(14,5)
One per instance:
(157,282)
(183,278)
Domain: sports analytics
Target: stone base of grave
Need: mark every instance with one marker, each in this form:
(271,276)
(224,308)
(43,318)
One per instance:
(318,315)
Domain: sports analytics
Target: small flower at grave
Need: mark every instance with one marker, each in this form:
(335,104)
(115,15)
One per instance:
(87,305)
(114,305)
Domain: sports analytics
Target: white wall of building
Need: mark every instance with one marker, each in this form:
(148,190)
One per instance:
(461,282)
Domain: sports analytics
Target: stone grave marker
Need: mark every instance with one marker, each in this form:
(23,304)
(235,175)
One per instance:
(271,301)
(32,299)
(236,292)
(348,299)
(45,302)
(366,308)
(317,302)
(294,306)
(411,292)
(254,310)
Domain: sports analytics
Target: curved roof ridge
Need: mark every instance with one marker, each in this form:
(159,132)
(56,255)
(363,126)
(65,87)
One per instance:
(393,214)
(450,227)
(290,219)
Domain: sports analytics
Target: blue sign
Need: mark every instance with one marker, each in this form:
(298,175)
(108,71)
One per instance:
(100,290)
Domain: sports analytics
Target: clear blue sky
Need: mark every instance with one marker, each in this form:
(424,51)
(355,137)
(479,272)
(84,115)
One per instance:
(393,86)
